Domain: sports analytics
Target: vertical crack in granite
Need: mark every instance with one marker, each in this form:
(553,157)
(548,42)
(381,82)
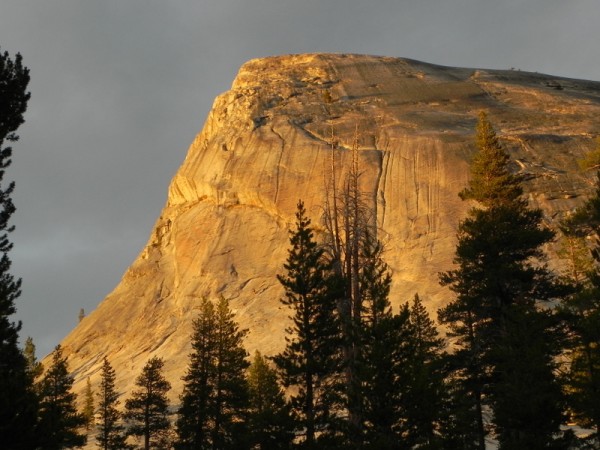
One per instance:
(278,166)
(378,192)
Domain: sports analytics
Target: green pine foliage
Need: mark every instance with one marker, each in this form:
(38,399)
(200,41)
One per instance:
(499,280)
(269,415)
(147,409)
(426,393)
(111,432)
(34,367)
(491,181)
(525,395)
(18,407)
(59,422)
(214,401)
(309,363)
(582,313)
(384,378)
(403,380)
(584,375)
(383,344)
(88,405)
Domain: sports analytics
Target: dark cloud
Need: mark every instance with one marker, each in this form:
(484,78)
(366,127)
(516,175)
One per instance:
(120,88)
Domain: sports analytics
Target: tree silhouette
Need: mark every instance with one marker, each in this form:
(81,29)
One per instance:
(111,434)
(214,401)
(59,420)
(310,361)
(17,402)
(147,409)
(504,341)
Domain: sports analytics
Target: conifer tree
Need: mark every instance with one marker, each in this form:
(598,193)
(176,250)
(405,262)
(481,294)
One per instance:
(402,378)
(350,230)
(491,182)
(269,418)
(34,367)
(372,337)
(583,380)
(59,420)
(424,399)
(309,362)
(111,434)
(147,408)
(499,280)
(383,375)
(214,401)
(382,354)
(582,311)
(17,402)
(88,405)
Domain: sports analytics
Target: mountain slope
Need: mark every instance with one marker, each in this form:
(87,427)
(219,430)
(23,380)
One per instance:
(266,143)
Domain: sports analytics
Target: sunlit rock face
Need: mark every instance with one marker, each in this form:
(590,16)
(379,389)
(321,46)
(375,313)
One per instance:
(266,144)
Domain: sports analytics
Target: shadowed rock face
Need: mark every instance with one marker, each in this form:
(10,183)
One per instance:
(265,145)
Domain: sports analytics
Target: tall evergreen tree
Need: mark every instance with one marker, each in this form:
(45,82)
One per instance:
(382,354)
(214,401)
(351,229)
(309,363)
(88,405)
(147,408)
(403,387)
(111,434)
(33,365)
(373,338)
(491,183)
(269,419)
(425,396)
(17,402)
(582,311)
(59,420)
(34,368)
(499,280)
(383,375)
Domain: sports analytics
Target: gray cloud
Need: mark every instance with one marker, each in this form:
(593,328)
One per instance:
(119,90)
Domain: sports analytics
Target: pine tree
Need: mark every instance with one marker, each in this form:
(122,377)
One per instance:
(383,375)
(584,373)
(350,230)
(526,397)
(425,396)
(147,409)
(382,351)
(309,362)
(269,419)
(59,420)
(214,401)
(111,434)
(17,402)
(34,367)
(88,405)
(499,281)
(582,311)
(402,378)
(372,337)
(491,182)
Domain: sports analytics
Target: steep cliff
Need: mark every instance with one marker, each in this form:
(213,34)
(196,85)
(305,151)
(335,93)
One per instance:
(266,143)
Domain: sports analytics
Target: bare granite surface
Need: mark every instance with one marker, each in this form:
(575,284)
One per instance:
(265,144)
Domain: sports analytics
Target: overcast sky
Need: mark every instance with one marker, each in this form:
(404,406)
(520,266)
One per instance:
(121,87)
